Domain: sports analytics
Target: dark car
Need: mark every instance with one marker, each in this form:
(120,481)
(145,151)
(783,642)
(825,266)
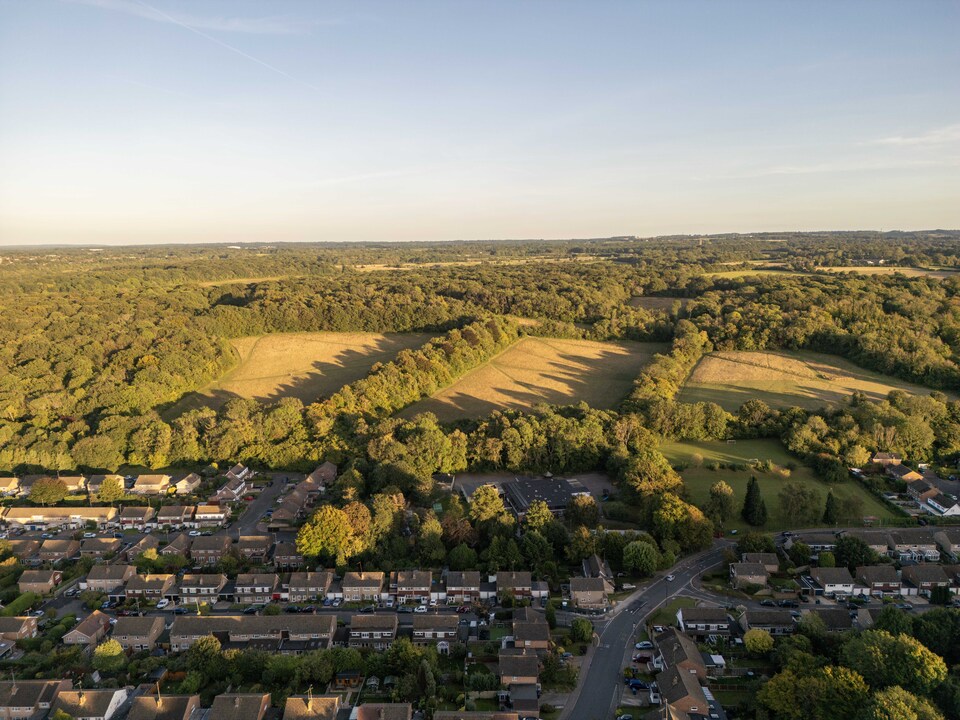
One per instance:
(309,609)
(252,610)
(788,604)
(368,609)
(180,611)
(292,609)
(404,609)
(768,603)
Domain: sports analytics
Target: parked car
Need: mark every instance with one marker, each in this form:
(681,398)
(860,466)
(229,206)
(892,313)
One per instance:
(309,609)
(88,535)
(768,603)
(327,602)
(406,609)
(161,604)
(337,602)
(194,533)
(420,609)
(433,602)
(368,609)
(292,609)
(644,645)
(463,609)
(670,578)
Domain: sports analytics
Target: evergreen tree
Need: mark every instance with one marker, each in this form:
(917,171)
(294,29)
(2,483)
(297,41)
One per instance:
(831,510)
(754,508)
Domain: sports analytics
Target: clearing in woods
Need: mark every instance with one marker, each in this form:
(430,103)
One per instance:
(543,370)
(784,379)
(301,365)
(893,270)
(654,302)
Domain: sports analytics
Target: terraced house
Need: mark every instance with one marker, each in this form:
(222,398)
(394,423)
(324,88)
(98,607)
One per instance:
(28,699)
(255,548)
(108,579)
(412,586)
(175,517)
(149,588)
(308,586)
(58,517)
(201,587)
(187,629)
(463,587)
(439,630)
(210,549)
(257,587)
(138,518)
(361,586)
(373,631)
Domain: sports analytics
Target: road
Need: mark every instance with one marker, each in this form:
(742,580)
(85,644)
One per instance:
(600,683)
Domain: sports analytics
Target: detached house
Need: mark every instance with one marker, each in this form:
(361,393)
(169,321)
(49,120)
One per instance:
(902,472)
(833,581)
(774,621)
(412,586)
(209,516)
(683,691)
(373,631)
(257,588)
(311,707)
(90,631)
(886,459)
(770,561)
(18,628)
(588,592)
(360,586)
(54,551)
(531,636)
(231,491)
(239,472)
(518,669)
(188,485)
(745,574)
(147,542)
(138,518)
(463,587)
(99,547)
(138,633)
(676,650)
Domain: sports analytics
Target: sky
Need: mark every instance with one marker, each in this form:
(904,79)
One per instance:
(159,121)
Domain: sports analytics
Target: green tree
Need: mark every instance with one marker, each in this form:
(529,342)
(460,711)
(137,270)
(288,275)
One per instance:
(800,553)
(831,510)
(48,491)
(755,542)
(204,657)
(581,630)
(940,595)
(582,510)
(754,510)
(486,504)
(108,656)
(111,490)
(641,557)
(826,559)
(895,703)
(824,694)
(538,516)
(758,641)
(884,660)
(852,552)
(328,534)
(583,544)
(894,620)
(800,503)
(462,557)
(720,506)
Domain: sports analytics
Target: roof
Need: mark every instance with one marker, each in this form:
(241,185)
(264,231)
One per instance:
(254,541)
(310,579)
(326,473)
(521,493)
(432,621)
(467,579)
(209,509)
(834,618)
(886,456)
(86,703)
(519,665)
(136,512)
(877,574)
(677,648)
(474,715)
(138,626)
(239,706)
(13,624)
(384,711)
(27,693)
(928,572)
(531,631)
(591,584)
(99,545)
(54,545)
(913,536)
(166,707)
(676,684)
(91,513)
(175,511)
(769,617)
(762,558)
(37,576)
(203,580)
(832,576)
(109,572)
(92,624)
(317,707)
(513,579)
(705,614)
(901,471)
(749,569)
(365,579)
(210,542)
(286,549)
(196,625)
(149,582)
(414,578)
(373,622)
(260,579)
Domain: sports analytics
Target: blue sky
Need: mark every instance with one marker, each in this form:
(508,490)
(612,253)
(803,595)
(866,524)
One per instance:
(129,121)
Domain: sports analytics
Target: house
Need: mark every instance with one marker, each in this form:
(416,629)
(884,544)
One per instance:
(588,592)
(255,548)
(209,516)
(151,485)
(463,587)
(18,628)
(28,699)
(318,630)
(133,517)
(165,707)
(518,669)
(257,587)
(920,490)
(879,579)
(433,629)
(239,472)
(26,550)
(373,631)
(180,545)
(746,574)
(311,707)
(74,483)
(9,486)
(676,650)
(776,622)
(383,711)
(231,491)
(531,636)
(90,704)
(240,706)
(886,459)
(175,517)
(323,476)
(914,544)
(28,518)
(818,542)
(475,715)
(518,584)
(359,586)
(54,550)
(286,555)
(108,579)
(833,581)
(95,482)
(210,549)
(151,588)
(942,505)
(99,548)
(308,586)
(703,621)
(948,540)
(903,473)
(90,631)
(526,699)
(42,582)
(413,586)
(834,619)
(201,587)
(770,561)
(922,579)
(138,633)
(876,540)
(188,484)
(682,690)
(147,542)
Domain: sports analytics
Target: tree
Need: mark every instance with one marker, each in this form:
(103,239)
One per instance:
(831,511)
(754,510)
(462,557)
(720,506)
(852,552)
(800,503)
(884,660)
(328,534)
(204,657)
(486,504)
(108,656)
(800,553)
(758,641)
(111,490)
(582,510)
(581,630)
(940,595)
(895,703)
(583,544)
(48,491)
(755,542)
(641,557)
(824,694)
(894,620)
(826,559)
(538,515)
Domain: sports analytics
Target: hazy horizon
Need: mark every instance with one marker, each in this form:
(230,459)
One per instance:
(129,122)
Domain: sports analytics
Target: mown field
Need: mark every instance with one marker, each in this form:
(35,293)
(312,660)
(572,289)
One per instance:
(657,303)
(698,477)
(784,379)
(893,270)
(301,365)
(543,370)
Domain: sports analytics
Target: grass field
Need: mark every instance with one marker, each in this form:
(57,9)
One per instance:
(543,370)
(657,303)
(893,270)
(743,272)
(784,379)
(699,478)
(301,365)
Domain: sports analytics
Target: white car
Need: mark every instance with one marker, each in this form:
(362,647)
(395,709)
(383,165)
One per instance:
(194,533)
(644,645)
(88,535)
(420,609)
(670,578)
(162,604)
(433,602)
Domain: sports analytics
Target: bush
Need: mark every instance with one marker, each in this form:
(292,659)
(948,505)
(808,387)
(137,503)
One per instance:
(19,606)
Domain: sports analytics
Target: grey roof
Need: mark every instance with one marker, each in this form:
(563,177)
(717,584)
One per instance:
(513,579)
(677,648)
(705,614)
(769,617)
(467,579)
(137,626)
(373,622)
(203,580)
(519,665)
(928,572)
(535,631)
(166,707)
(433,621)
(523,492)
(877,574)
(109,572)
(27,693)
(676,684)
(370,580)
(239,706)
(591,584)
(832,576)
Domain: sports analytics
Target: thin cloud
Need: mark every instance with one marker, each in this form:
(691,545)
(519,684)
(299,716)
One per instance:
(248,26)
(841,167)
(938,136)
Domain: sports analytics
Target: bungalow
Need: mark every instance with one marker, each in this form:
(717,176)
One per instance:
(165,707)
(210,549)
(138,633)
(308,586)
(209,516)
(833,581)
(770,561)
(254,548)
(54,551)
(175,517)
(703,621)
(942,505)
(924,578)
(588,592)
(147,542)
(311,707)
(99,548)
(817,542)
(360,586)
(518,584)
(42,582)
(25,699)
(133,517)
(373,631)
(286,555)
(746,574)
(108,579)
(257,587)
(180,545)
(323,476)
(9,486)
(903,473)
(90,704)
(463,587)
(879,579)
(518,669)
(913,544)
(95,482)
(74,483)
(439,630)
(383,711)
(240,706)
(776,622)
(531,636)
(188,484)
(412,586)
(151,485)
(886,459)
(151,588)
(676,650)
(201,587)
(682,690)
(876,540)
(18,628)
(90,631)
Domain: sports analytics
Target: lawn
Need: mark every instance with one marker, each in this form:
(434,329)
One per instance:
(893,270)
(543,370)
(784,379)
(307,366)
(667,615)
(697,477)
